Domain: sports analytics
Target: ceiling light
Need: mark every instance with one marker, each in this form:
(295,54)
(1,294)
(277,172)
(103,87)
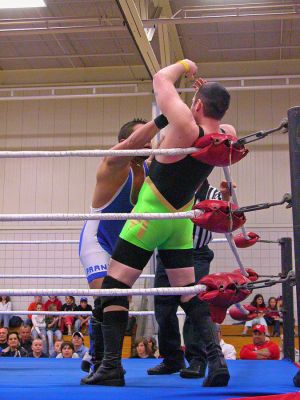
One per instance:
(21,3)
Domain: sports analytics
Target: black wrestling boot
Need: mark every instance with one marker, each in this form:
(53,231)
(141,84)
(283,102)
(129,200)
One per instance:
(91,363)
(97,351)
(166,367)
(195,370)
(198,311)
(110,372)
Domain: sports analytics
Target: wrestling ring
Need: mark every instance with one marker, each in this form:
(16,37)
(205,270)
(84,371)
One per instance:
(27,378)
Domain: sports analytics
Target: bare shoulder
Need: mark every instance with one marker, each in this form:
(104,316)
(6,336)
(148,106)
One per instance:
(110,177)
(230,129)
(109,168)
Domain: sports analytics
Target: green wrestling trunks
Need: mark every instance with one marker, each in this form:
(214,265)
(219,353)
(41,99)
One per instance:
(176,234)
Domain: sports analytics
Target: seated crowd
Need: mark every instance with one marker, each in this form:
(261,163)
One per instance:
(41,336)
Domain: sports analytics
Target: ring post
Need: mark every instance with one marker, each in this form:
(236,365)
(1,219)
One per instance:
(294,144)
(288,301)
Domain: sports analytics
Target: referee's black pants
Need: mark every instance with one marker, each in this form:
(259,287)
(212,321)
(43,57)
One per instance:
(165,313)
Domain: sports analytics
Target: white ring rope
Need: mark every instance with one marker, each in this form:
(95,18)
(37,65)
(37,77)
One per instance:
(137,313)
(50,241)
(99,216)
(22,276)
(69,241)
(105,292)
(97,153)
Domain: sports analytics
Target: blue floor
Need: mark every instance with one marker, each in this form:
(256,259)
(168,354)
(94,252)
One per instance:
(52,379)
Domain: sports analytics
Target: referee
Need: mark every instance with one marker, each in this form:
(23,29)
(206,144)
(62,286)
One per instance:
(166,306)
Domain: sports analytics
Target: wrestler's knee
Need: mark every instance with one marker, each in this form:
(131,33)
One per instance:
(121,301)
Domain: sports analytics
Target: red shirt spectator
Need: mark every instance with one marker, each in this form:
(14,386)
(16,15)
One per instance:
(260,349)
(53,300)
(32,306)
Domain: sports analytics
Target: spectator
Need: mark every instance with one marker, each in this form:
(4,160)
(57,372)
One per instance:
(67,351)
(52,326)
(53,300)
(259,303)
(39,326)
(56,351)
(3,338)
(37,349)
(227,349)
(152,344)
(82,320)
(25,337)
(14,348)
(32,307)
(141,349)
(77,340)
(261,349)
(67,320)
(5,305)
(273,317)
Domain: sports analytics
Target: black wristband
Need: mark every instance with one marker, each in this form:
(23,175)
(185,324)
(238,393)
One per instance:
(161,121)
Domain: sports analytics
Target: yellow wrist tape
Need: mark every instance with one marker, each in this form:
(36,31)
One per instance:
(185,64)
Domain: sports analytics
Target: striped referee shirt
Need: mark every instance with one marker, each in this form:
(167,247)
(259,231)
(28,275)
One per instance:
(202,236)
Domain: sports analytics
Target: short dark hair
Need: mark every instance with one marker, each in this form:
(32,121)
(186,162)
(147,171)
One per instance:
(215,99)
(127,129)
(7,298)
(67,343)
(13,333)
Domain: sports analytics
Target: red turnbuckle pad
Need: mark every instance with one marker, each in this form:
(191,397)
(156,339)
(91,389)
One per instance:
(252,275)
(218,216)
(245,312)
(241,242)
(223,290)
(217,149)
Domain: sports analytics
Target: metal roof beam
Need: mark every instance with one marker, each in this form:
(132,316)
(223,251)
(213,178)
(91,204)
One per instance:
(60,30)
(220,18)
(136,29)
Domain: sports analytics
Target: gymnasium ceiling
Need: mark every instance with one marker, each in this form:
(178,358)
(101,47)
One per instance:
(110,34)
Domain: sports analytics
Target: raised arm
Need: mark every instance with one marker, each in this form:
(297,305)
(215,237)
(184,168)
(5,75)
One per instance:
(113,171)
(169,101)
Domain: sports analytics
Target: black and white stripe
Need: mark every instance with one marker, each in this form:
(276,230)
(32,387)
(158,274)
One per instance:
(202,236)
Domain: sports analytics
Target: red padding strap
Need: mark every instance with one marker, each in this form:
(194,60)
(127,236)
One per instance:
(241,242)
(237,314)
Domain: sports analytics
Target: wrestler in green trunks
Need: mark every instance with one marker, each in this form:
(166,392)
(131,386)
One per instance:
(161,234)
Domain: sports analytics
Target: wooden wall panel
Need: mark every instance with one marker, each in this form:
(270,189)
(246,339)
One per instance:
(45,141)
(11,200)
(3,129)
(78,134)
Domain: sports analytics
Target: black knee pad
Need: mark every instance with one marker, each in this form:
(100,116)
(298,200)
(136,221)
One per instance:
(98,311)
(97,302)
(112,283)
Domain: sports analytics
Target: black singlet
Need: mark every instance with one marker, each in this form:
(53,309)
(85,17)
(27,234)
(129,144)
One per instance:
(178,181)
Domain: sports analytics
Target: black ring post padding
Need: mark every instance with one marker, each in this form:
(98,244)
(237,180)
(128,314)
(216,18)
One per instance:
(288,301)
(294,146)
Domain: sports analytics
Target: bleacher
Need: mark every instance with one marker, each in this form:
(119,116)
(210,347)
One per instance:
(230,333)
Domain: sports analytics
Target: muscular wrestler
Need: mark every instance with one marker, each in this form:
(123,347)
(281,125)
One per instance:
(165,307)
(170,187)
(118,183)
